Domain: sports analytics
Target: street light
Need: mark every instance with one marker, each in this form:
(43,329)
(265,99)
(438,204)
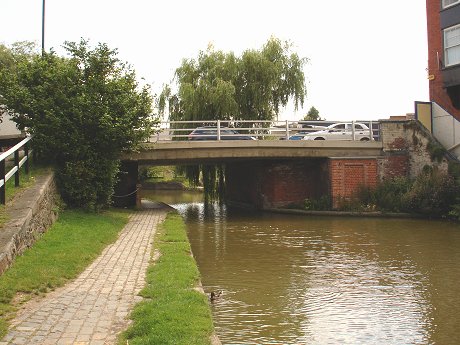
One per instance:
(43,27)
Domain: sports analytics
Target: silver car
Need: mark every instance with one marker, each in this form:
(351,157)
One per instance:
(342,131)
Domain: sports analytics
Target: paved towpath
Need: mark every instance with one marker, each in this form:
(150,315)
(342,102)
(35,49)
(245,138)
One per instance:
(93,308)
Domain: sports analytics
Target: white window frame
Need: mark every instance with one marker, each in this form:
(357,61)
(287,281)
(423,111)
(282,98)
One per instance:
(445,48)
(449,5)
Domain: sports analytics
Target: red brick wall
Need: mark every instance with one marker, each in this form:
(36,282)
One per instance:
(276,184)
(394,166)
(242,183)
(293,182)
(438,93)
(348,175)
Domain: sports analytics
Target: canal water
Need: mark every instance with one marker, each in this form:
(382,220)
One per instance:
(288,279)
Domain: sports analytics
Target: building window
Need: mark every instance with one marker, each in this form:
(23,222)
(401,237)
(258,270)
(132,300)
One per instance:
(452,45)
(448,3)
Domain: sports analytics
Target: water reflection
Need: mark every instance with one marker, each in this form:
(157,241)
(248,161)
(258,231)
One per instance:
(315,280)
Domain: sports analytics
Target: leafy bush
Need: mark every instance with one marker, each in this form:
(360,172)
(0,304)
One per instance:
(432,193)
(83,111)
(321,204)
(388,196)
(351,205)
(454,171)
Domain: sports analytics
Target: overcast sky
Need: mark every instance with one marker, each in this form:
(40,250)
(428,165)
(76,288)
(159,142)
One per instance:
(368,59)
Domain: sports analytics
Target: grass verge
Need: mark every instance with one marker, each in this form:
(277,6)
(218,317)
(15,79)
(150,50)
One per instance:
(173,312)
(70,245)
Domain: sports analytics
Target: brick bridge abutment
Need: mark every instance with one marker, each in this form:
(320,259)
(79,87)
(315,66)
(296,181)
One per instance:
(275,184)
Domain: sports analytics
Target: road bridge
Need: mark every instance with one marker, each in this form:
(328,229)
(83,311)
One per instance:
(269,172)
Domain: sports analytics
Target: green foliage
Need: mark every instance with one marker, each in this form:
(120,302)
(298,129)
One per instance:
(173,311)
(154,172)
(82,111)
(312,115)
(436,150)
(350,205)
(389,195)
(72,243)
(9,58)
(321,204)
(432,193)
(170,174)
(222,86)
(454,171)
(19,51)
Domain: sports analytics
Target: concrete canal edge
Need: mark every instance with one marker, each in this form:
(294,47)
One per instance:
(296,211)
(30,214)
(375,214)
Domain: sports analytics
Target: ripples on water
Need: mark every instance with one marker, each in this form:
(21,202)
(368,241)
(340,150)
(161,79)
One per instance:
(317,280)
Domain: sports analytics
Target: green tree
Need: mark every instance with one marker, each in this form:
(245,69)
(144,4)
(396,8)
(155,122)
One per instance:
(11,56)
(222,86)
(83,111)
(312,115)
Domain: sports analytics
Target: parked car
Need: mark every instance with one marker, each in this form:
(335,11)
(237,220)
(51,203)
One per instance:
(341,131)
(298,136)
(210,133)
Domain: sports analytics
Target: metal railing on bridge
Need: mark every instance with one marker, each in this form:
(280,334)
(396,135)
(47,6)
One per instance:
(259,130)
(17,163)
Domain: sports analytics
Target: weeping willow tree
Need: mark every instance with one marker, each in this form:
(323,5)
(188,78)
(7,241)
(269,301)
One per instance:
(221,86)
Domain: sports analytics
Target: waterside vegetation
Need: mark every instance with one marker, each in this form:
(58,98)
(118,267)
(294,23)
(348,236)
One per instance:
(433,194)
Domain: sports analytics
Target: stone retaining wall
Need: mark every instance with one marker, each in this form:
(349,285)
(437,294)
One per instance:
(406,149)
(31,213)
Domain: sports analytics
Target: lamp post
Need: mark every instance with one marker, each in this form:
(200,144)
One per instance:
(43,27)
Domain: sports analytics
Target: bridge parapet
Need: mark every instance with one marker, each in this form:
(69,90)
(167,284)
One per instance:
(260,130)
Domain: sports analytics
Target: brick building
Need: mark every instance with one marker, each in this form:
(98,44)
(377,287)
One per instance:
(443,24)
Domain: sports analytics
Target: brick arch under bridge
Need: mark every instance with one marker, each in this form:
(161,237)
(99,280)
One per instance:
(277,184)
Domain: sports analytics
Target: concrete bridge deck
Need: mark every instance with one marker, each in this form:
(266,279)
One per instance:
(183,152)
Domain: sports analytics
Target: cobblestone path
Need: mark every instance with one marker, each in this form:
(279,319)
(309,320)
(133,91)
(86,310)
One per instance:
(93,309)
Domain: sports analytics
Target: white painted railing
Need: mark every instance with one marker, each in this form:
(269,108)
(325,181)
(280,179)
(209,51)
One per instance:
(14,171)
(261,130)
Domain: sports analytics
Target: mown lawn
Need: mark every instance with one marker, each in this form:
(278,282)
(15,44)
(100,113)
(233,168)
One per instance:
(64,251)
(173,312)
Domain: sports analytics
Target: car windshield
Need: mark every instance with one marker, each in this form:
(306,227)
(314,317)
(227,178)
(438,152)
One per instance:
(212,131)
(347,126)
(205,131)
